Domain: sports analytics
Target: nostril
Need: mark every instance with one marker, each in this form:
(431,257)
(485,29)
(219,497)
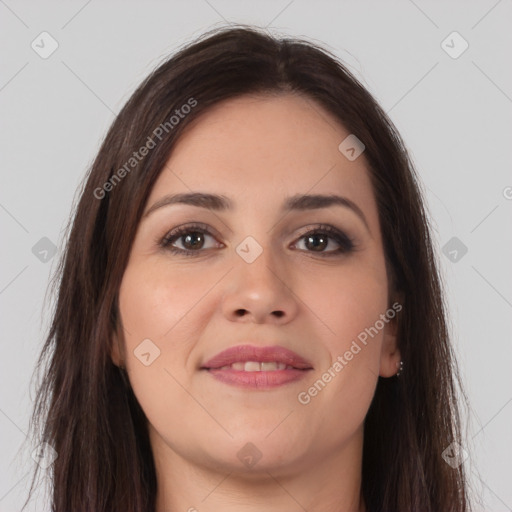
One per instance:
(242,312)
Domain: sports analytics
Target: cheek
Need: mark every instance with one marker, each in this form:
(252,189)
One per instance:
(346,303)
(156,304)
(349,305)
(155,307)
(154,299)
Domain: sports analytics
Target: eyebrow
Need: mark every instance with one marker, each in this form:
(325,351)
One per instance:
(299,202)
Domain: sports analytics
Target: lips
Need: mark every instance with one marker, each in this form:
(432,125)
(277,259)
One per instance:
(257,368)
(251,358)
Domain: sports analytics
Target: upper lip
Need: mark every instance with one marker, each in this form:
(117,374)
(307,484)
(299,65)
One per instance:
(243,353)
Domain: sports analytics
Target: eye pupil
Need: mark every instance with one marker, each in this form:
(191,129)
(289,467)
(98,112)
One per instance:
(189,240)
(317,246)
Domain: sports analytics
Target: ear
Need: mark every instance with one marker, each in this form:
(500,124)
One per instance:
(116,351)
(390,354)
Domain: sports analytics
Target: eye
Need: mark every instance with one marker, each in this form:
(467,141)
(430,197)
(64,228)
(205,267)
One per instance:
(323,237)
(193,240)
(191,237)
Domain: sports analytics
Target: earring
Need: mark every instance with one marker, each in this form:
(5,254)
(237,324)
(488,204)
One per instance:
(400,369)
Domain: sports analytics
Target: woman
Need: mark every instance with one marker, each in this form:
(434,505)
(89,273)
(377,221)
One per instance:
(250,313)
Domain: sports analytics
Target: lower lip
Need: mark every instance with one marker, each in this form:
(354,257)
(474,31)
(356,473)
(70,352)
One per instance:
(258,380)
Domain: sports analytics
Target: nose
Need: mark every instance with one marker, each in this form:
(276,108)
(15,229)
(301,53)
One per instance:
(260,292)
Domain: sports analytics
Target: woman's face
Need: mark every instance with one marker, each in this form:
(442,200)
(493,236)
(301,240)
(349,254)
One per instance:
(258,273)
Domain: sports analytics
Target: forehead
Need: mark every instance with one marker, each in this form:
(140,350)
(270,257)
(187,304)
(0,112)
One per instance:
(259,149)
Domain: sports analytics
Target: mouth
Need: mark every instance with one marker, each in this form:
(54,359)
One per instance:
(255,367)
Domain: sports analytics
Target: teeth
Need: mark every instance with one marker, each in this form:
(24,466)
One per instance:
(252,366)
(255,366)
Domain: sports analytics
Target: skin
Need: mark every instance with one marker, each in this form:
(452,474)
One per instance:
(257,151)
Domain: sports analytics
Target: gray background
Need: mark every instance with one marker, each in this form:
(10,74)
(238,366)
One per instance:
(454,114)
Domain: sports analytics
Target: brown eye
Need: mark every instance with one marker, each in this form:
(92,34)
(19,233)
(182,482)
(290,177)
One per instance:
(194,240)
(318,240)
(189,240)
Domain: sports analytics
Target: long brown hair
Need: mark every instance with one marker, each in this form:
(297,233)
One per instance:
(85,408)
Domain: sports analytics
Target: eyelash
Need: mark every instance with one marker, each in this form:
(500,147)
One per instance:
(346,244)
